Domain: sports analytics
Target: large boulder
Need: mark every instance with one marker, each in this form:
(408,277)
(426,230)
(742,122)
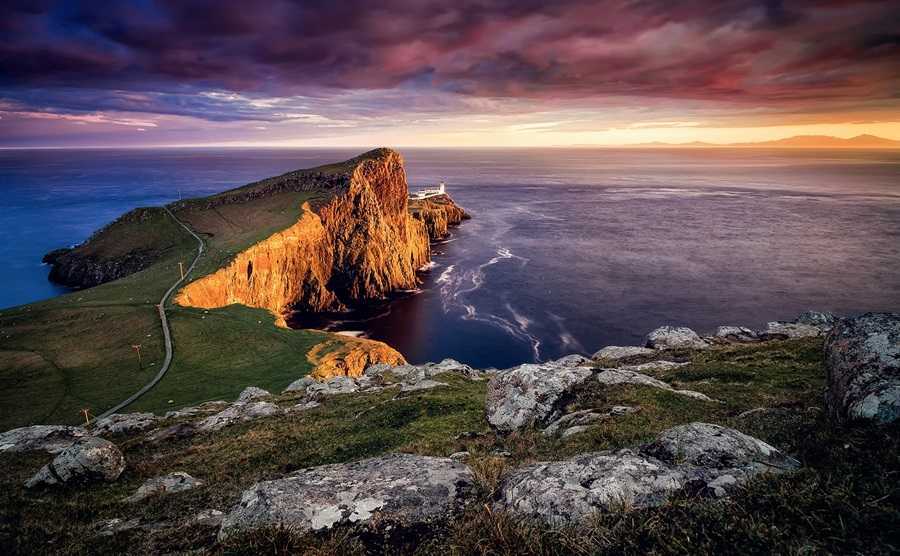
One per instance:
(698,458)
(238,412)
(711,446)
(90,459)
(253,393)
(862,362)
(390,490)
(673,337)
(125,423)
(165,484)
(48,438)
(614,353)
(531,393)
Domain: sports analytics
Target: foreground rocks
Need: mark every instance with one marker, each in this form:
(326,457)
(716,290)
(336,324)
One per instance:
(610,377)
(531,393)
(88,460)
(862,362)
(238,412)
(48,438)
(674,337)
(698,458)
(166,484)
(395,489)
(125,423)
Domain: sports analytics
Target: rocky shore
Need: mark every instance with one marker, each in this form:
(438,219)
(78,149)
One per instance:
(559,404)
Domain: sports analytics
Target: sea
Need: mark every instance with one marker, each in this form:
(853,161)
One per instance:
(568,250)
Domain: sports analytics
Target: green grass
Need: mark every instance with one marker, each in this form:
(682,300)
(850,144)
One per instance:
(845,499)
(74,351)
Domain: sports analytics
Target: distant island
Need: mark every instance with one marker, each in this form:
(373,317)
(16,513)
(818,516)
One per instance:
(795,142)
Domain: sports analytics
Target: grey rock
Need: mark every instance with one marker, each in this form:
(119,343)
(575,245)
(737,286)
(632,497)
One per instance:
(424,384)
(89,459)
(202,409)
(610,377)
(569,491)
(619,410)
(739,334)
(653,366)
(531,393)
(165,484)
(47,438)
(304,406)
(412,374)
(789,330)
(822,320)
(110,527)
(207,518)
(576,418)
(862,362)
(332,386)
(252,393)
(299,385)
(394,489)
(125,423)
(460,456)
(697,458)
(238,412)
(573,360)
(671,337)
(715,447)
(173,432)
(614,353)
(573,430)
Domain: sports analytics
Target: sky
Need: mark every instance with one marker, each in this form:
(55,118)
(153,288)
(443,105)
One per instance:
(462,74)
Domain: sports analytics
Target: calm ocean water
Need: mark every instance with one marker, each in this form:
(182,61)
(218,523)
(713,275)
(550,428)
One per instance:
(568,250)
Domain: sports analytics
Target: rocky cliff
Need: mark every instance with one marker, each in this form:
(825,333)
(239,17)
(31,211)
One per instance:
(438,214)
(358,243)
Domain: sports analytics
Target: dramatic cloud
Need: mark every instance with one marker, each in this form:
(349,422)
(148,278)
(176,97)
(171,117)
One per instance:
(351,63)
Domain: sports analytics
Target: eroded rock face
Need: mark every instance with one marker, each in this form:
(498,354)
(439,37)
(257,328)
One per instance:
(672,337)
(48,438)
(531,393)
(360,244)
(238,412)
(350,357)
(698,458)
(438,214)
(89,459)
(862,361)
(395,489)
(166,484)
(125,423)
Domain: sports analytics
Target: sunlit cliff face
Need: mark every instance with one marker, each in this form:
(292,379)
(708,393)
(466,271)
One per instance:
(469,73)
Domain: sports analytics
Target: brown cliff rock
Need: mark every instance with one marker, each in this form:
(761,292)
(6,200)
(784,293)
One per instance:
(350,357)
(357,244)
(438,214)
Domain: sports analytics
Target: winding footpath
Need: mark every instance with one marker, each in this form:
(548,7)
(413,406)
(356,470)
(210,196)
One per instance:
(167,334)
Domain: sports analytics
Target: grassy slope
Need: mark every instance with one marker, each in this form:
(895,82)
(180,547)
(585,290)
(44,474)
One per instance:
(74,351)
(845,499)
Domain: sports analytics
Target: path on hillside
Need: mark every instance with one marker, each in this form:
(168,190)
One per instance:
(167,334)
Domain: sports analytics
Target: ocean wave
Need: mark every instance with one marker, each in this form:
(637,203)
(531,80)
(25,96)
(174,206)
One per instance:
(428,266)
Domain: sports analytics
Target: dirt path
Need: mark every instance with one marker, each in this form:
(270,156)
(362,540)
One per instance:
(167,334)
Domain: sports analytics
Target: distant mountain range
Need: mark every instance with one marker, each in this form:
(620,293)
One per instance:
(796,142)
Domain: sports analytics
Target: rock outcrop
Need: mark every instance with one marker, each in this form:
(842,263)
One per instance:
(862,361)
(438,214)
(673,337)
(531,394)
(391,490)
(166,484)
(90,459)
(358,244)
(124,423)
(47,438)
(238,412)
(611,377)
(615,353)
(698,458)
(350,357)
